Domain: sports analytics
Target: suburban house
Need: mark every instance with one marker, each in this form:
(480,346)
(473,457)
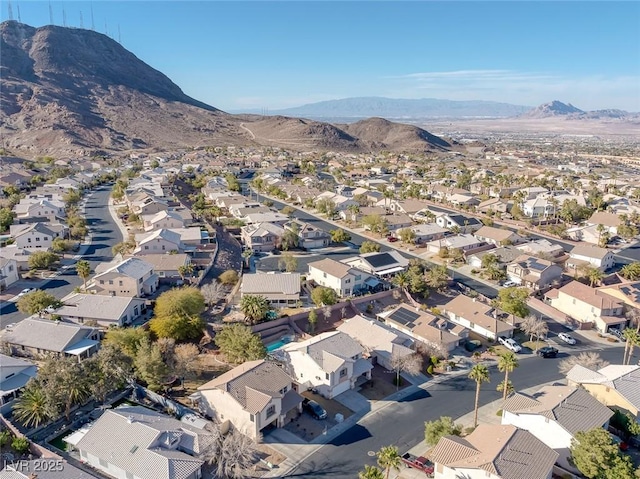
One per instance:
(588,307)
(493,451)
(13,253)
(379,263)
(554,414)
(627,291)
(464,224)
(426,232)
(585,233)
(504,255)
(497,205)
(132,277)
(271,217)
(33,236)
(532,272)
(342,278)
(615,385)
(498,236)
(42,209)
(164,219)
(280,289)
(542,248)
(477,317)
(610,221)
(8,272)
(38,338)
(461,242)
(192,237)
(463,200)
(252,396)
(145,204)
(167,266)
(14,375)
(589,255)
(159,241)
(380,342)
(408,207)
(137,442)
(331,363)
(309,236)
(397,221)
(261,237)
(103,309)
(425,327)
(30,469)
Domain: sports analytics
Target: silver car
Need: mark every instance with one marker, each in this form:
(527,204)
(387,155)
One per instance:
(567,338)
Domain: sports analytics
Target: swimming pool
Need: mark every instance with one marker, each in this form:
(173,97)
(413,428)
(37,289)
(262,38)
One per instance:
(278,344)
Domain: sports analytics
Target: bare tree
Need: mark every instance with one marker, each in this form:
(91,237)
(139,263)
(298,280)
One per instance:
(534,326)
(326,312)
(405,363)
(633,315)
(428,350)
(343,312)
(232,455)
(213,292)
(186,361)
(167,349)
(590,360)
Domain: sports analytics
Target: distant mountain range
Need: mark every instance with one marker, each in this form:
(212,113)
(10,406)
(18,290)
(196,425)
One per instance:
(352,109)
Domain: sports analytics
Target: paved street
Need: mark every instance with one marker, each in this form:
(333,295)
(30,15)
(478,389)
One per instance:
(402,423)
(104,235)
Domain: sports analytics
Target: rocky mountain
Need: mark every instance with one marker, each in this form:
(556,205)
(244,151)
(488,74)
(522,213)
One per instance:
(70,91)
(352,109)
(552,109)
(557,109)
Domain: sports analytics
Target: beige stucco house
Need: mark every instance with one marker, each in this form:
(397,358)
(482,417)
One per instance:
(340,277)
(532,272)
(477,317)
(132,277)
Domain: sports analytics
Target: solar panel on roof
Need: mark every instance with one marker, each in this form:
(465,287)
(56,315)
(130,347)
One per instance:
(404,316)
(382,259)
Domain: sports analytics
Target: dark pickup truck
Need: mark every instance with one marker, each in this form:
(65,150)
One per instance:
(421,463)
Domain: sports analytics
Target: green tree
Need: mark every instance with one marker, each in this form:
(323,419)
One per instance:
(376,224)
(480,374)
(239,344)
(60,245)
(434,430)
(127,340)
(229,277)
(631,271)
(322,296)
(502,385)
(33,408)
(369,247)
(254,307)
(313,320)
(6,219)
(36,301)
(596,456)
(593,274)
(506,364)
(513,300)
(185,270)
(408,236)
(339,236)
(437,277)
(107,370)
(389,458)
(20,445)
(150,365)
(290,239)
(177,314)
(42,259)
(124,247)
(71,197)
(288,210)
(632,338)
(84,271)
(288,262)
(371,472)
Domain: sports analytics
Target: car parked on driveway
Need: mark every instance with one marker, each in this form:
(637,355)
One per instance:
(567,338)
(617,333)
(510,343)
(508,284)
(313,408)
(392,239)
(547,352)
(25,292)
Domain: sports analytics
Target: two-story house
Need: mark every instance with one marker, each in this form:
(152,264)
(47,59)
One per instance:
(610,221)
(261,237)
(331,363)
(460,223)
(148,205)
(132,277)
(33,236)
(102,309)
(343,279)
(554,414)
(380,264)
(498,236)
(280,289)
(137,442)
(159,241)
(42,209)
(39,338)
(14,375)
(167,219)
(8,272)
(309,236)
(587,306)
(168,266)
(493,451)
(477,317)
(590,255)
(252,396)
(615,385)
(532,272)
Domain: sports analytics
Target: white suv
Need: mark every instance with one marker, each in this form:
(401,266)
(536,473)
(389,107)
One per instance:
(510,343)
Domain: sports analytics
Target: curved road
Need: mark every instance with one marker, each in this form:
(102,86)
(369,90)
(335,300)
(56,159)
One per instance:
(402,423)
(104,235)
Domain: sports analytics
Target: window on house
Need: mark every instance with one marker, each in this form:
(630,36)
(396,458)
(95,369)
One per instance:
(574,300)
(326,375)
(253,418)
(146,247)
(110,281)
(120,283)
(163,248)
(28,240)
(271,410)
(343,373)
(358,277)
(37,238)
(347,281)
(324,275)
(283,391)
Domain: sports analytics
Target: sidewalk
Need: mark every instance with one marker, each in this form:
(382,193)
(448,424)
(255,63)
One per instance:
(114,214)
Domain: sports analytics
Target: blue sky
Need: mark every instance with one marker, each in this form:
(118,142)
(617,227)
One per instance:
(266,54)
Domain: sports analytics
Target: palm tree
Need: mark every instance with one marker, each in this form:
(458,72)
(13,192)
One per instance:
(370,472)
(594,275)
(633,339)
(480,374)
(389,458)
(33,408)
(84,271)
(506,364)
(254,307)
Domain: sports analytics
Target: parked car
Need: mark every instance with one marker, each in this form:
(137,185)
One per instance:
(621,444)
(547,352)
(567,338)
(9,327)
(25,292)
(392,239)
(508,284)
(510,343)
(421,463)
(617,333)
(313,408)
